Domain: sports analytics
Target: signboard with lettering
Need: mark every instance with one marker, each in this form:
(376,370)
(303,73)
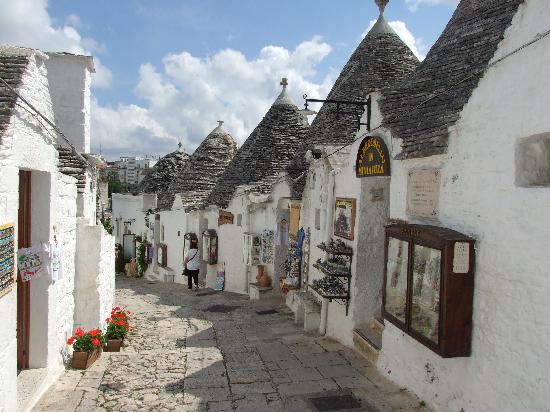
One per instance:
(373,158)
(7,258)
(225,218)
(423,193)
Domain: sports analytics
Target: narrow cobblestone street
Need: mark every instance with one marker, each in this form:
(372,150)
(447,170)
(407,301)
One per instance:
(199,351)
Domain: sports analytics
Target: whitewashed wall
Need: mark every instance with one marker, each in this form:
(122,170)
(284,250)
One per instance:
(26,145)
(126,208)
(509,367)
(175,227)
(94,288)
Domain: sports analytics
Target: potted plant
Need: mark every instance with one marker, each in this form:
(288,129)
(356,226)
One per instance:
(118,327)
(86,346)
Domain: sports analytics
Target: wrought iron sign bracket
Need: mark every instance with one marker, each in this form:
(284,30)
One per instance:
(360,107)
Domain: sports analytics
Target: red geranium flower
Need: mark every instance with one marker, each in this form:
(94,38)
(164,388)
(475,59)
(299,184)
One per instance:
(70,341)
(79,332)
(121,323)
(128,312)
(117,308)
(96,342)
(94,333)
(108,320)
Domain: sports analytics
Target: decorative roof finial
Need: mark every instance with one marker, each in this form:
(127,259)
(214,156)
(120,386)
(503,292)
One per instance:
(179,145)
(220,123)
(284,82)
(381,5)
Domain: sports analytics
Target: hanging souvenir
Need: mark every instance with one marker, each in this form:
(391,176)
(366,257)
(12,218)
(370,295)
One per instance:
(31,262)
(56,257)
(267,246)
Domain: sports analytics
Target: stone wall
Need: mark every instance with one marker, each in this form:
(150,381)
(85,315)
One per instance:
(508,368)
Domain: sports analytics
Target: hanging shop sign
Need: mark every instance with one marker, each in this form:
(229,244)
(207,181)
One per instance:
(225,217)
(7,258)
(373,158)
(344,218)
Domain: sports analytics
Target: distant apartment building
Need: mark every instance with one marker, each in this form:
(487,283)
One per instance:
(132,170)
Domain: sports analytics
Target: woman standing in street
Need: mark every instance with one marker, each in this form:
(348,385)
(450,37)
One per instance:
(192,264)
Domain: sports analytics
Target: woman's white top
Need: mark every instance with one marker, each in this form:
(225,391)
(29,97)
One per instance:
(194,262)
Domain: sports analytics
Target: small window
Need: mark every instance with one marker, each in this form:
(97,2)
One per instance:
(179,233)
(239,220)
(533,161)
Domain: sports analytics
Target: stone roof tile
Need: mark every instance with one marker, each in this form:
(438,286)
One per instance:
(420,109)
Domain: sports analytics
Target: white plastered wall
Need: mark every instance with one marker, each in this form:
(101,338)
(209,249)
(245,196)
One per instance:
(508,368)
(26,145)
(124,209)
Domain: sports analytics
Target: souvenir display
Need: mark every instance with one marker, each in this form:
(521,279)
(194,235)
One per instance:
(31,262)
(252,247)
(267,250)
(7,258)
(337,270)
(220,277)
(429,286)
(210,246)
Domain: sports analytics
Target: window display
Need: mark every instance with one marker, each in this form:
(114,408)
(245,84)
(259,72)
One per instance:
(396,282)
(428,289)
(252,247)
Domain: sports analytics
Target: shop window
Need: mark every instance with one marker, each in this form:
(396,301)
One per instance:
(428,286)
(533,161)
(210,246)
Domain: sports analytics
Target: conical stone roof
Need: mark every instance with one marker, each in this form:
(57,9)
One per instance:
(267,152)
(165,170)
(205,166)
(381,59)
(420,109)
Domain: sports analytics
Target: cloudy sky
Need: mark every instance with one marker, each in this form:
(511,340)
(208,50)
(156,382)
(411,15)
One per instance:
(167,70)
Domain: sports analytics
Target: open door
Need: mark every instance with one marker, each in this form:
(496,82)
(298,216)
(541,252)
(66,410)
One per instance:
(23,288)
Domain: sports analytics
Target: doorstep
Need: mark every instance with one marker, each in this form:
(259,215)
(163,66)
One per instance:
(31,384)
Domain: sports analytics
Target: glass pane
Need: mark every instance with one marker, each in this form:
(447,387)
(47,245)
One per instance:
(425,299)
(396,281)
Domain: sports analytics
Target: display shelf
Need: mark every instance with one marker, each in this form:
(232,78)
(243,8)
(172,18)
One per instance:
(328,272)
(329,297)
(336,251)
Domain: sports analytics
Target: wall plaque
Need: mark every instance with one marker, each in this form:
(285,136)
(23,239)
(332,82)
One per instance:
(7,258)
(225,217)
(423,193)
(461,258)
(373,158)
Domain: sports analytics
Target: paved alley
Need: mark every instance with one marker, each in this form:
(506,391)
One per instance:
(208,351)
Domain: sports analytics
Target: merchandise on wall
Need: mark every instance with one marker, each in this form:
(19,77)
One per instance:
(7,258)
(220,277)
(267,247)
(344,218)
(252,247)
(210,246)
(31,262)
(428,290)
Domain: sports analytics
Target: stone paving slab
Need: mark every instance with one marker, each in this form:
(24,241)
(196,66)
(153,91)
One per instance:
(180,357)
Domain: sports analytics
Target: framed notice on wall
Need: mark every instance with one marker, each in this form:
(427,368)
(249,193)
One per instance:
(344,218)
(7,258)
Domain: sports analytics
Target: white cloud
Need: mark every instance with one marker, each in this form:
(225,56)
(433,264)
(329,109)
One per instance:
(189,94)
(416,45)
(27,23)
(414,4)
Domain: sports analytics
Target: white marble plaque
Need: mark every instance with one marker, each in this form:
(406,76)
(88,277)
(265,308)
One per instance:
(461,259)
(423,193)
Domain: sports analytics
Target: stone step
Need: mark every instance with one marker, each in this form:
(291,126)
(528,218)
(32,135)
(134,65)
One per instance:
(377,325)
(368,340)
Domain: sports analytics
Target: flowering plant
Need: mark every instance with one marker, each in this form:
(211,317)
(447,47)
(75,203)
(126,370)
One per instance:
(118,325)
(83,341)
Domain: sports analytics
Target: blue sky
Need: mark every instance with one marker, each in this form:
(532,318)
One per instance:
(168,69)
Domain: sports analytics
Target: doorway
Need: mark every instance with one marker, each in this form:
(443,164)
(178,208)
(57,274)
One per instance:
(23,288)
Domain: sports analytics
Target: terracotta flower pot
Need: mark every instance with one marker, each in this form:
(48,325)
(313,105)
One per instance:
(83,360)
(261,271)
(265,280)
(113,345)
